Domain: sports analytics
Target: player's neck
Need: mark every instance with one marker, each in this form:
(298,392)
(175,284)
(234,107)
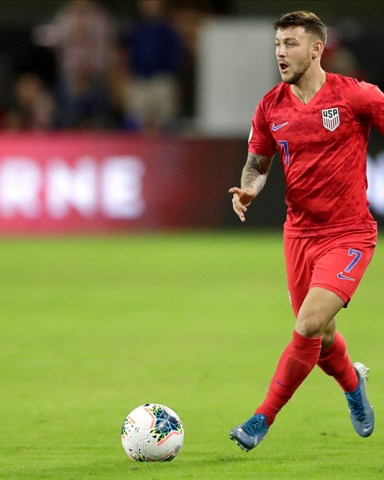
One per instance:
(307,87)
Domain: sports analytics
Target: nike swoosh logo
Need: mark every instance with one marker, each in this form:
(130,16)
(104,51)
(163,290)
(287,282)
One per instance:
(344,277)
(277,127)
(367,429)
(282,384)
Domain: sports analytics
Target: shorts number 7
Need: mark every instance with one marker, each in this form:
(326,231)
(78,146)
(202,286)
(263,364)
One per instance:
(352,253)
(357,255)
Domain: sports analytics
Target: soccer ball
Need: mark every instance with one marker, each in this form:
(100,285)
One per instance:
(152,433)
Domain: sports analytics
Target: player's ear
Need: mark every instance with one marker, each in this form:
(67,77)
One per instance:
(317,49)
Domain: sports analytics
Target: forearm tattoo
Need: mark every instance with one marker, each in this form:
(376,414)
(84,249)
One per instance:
(255,171)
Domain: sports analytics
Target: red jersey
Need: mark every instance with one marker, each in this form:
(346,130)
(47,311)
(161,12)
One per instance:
(323,148)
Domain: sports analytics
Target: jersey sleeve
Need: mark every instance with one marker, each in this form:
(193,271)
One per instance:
(370,105)
(261,141)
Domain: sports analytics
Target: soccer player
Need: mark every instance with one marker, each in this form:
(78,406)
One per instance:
(319,122)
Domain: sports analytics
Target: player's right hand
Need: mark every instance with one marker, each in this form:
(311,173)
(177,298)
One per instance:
(241,199)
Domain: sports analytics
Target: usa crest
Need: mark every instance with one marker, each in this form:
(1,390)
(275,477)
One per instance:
(331,118)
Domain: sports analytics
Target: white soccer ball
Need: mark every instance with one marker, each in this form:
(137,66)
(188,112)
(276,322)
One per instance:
(152,433)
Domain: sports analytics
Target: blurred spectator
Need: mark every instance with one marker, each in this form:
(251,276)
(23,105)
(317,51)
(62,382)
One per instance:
(188,16)
(33,106)
(84,37)
(154,54)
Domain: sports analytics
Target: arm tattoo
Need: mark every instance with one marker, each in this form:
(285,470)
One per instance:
(255,171)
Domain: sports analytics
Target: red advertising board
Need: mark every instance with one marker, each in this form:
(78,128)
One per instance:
(104,182)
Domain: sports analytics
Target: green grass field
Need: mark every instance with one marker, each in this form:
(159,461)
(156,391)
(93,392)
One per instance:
(93,327)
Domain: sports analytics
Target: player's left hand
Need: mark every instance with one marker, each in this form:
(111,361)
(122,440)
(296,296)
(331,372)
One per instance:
(241,199)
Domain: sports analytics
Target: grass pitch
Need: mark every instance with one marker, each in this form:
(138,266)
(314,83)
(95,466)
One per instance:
(93,327)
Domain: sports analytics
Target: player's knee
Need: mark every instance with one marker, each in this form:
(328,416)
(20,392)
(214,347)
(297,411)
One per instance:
(310,324)
(328,335)
(327,340)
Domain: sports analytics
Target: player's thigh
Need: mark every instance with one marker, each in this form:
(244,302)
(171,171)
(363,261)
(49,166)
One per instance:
(298,265)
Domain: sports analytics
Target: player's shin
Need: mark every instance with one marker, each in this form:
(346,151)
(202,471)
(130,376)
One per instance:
(335,362)
(295,364)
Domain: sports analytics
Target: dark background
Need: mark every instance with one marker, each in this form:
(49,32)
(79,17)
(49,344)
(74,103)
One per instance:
(359,25)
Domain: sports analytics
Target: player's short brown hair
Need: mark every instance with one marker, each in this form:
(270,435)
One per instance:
(301,18)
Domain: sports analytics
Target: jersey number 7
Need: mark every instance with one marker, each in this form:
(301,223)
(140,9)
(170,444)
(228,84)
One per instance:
(286,157)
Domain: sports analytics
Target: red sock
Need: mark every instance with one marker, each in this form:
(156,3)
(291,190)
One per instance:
(335,362)
(295,364)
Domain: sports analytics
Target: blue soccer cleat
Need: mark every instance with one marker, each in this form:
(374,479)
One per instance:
(360,410)
(250,433)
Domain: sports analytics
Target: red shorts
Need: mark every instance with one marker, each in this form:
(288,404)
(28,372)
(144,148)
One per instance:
(336,263)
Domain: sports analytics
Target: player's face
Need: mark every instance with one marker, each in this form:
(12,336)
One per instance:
(293,53)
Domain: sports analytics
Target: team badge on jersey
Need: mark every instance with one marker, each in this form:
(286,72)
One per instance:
(331,118)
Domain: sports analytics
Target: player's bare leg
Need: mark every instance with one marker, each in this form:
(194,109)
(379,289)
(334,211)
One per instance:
(314,330)
(316,317)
